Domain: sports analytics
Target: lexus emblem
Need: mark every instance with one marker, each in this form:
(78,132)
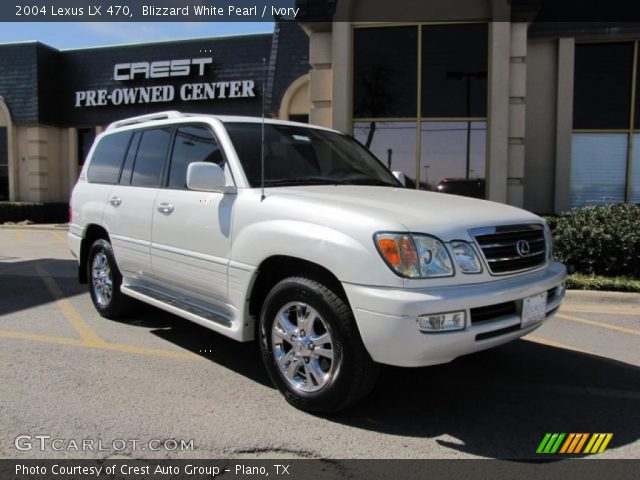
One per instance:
(523,248)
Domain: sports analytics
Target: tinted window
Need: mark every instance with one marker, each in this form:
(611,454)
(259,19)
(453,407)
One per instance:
(305,156)
(385,72)
(147,170)
(107,158)
(125,176)
(602,86)
(454,70)
(192,144)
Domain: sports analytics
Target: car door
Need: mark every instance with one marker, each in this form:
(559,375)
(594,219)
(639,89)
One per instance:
(130,206)
(192,229)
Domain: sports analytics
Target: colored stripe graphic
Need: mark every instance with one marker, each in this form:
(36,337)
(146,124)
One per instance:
(573,443)
(581,442)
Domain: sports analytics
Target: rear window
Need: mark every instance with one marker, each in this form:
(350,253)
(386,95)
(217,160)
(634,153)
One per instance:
(107,158)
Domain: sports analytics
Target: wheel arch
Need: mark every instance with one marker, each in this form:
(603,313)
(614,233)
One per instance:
(92,233)
(278,267)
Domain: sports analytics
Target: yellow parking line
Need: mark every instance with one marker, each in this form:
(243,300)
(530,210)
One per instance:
(551,343)
(603,310)
(19,235)
(89,338)
(41,338)
(149,351)
(60,237)
(599,324)
(70,313)
(153,352)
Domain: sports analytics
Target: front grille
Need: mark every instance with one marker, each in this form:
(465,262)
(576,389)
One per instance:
(492,312)
(512,248)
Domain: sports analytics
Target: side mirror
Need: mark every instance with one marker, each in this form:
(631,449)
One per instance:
(206,177)
(400,176)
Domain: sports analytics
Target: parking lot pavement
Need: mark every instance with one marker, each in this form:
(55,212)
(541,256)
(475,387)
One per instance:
(68,373)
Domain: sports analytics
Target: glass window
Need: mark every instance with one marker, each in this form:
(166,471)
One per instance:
(194,143)
(385,72)
(453,157)
(598,168)
(86,136)
(454,70)
(305,156)
(152,151)
(107,158)
(125,176)
(394,143)
(602,86)
(635,172)
(4,182)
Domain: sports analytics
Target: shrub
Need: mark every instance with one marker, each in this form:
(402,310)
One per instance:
(599,240)
(36,212)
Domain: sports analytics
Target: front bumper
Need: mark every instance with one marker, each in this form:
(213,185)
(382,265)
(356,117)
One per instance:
(388,317)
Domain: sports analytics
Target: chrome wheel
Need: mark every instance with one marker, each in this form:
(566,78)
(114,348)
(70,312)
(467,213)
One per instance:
(101,279)
(302,347)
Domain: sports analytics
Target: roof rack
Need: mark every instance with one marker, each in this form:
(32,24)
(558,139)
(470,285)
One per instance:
(146,118)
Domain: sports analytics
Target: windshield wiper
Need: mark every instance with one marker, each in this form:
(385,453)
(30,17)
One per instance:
(365,181)
(299,181)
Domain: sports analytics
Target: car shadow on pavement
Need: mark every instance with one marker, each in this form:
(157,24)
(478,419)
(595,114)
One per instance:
(494,404)
(242,358)
(500,403)
(22,285)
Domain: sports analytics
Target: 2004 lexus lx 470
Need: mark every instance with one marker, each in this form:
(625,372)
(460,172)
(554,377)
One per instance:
(297,236)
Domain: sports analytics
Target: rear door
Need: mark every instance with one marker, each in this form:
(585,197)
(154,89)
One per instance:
(130,207)
(192,230)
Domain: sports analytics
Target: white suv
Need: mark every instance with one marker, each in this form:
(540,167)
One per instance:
(299,237)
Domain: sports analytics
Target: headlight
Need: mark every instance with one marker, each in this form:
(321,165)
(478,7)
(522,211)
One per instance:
(466,257)
(414,256)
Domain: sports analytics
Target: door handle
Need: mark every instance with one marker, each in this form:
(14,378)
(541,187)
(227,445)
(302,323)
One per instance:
(115,201)
(165,208)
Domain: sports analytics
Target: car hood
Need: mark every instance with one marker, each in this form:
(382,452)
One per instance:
(396,209)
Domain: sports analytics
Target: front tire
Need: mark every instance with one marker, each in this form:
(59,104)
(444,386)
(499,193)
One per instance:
(105,280)
(311,347)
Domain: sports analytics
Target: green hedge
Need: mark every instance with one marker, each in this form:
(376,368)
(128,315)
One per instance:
(35,212)
(599,240)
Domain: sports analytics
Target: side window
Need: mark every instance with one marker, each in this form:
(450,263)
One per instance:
(193,143)
(152,151)
(125,176)
(107,158)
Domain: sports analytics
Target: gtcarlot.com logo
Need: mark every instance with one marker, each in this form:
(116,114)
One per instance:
(47,442)
(574,443)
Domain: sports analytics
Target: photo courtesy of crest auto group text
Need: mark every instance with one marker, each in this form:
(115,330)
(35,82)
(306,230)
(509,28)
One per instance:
(337,239)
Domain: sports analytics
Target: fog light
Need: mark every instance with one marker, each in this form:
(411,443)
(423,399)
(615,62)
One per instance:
(441,322)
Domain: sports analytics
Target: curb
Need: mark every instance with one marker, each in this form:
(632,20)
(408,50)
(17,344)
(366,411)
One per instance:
(47,226)
(593,296)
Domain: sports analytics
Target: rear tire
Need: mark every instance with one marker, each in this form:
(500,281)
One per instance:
(311,347)
(105,280)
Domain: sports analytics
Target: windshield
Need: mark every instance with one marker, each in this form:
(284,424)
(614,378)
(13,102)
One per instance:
(305,156)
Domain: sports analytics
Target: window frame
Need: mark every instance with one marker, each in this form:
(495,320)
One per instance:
(419,118)
(633,128)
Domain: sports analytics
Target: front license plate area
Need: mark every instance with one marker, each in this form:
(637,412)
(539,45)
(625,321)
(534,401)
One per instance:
(534,309)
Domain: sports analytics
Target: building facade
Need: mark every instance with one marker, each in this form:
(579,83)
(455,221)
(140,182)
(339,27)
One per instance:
(483,94)
(543,114)
(53,103)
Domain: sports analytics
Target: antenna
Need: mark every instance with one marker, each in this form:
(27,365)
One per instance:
(264,96)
